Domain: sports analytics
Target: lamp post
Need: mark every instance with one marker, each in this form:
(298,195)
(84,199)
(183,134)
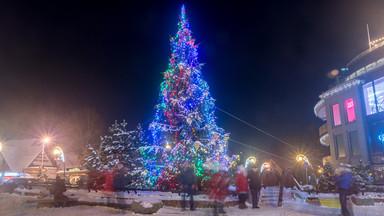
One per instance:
(58,152)
(305,162)
(45,140)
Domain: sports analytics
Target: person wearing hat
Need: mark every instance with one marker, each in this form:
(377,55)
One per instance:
(242,186)
(254,184)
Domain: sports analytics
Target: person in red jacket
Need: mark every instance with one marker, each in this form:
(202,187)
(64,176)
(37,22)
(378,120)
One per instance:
(109,176)
(218,191)
(242,186)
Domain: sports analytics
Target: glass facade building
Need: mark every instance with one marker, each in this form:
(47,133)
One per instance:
(353,111)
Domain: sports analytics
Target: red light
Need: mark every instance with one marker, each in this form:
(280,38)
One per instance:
(350,106)
(336,114)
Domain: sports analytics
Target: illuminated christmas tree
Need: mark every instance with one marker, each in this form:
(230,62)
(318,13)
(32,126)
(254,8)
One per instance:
(184,128)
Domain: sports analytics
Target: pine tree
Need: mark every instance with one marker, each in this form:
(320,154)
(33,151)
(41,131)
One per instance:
(92,161)
(361,176)
(42,176)
(325,183)
(135,161)
(184,128)
(114,148)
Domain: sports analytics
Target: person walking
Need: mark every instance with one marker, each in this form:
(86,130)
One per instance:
(254,185)
(120,185)
(218,190)
(57,190)
(344,184)
(120,178)
(108,184)
(242,186)
(187,181)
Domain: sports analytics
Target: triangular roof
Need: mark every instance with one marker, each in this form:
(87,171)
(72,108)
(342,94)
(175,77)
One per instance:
(18,154)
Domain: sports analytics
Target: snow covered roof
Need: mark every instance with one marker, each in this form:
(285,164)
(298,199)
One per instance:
(19,154)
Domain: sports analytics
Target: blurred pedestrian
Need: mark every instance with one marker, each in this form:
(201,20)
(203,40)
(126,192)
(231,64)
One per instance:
(109,176)
(57,190)
(188,182)
(120,185)
(254,185)
(242,186)
(344,183)
(219,190)
(120,178)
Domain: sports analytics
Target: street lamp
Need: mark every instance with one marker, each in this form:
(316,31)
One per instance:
(305,162)
(45,140)
(250,160)
(58,152)
(265,166)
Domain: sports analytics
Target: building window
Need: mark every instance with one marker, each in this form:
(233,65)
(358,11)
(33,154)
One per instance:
(336,115)
(339,146)
(376,130)
(354,143)
(369,99)
(350,106)
(379,92)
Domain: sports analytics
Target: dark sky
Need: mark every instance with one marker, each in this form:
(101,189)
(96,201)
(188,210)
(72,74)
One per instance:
(266,62)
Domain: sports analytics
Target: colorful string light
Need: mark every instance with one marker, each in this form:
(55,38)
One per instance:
(184,128)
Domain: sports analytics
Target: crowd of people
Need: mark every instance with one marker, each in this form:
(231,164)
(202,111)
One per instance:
(247,181)
(218,187)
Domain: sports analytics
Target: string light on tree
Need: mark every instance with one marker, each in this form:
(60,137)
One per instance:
(185,116)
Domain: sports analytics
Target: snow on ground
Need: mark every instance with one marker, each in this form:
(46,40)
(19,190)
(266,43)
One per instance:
(15,205)
(290,209)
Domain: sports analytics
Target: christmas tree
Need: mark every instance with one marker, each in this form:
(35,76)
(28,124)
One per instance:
(184,128)
(325,183)
(121,146)
(92,161)
(361,177)
(135,162)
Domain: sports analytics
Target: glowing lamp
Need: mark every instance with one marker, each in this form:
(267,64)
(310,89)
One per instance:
(1,146)
(46,140)
(301,158)
(56,151)
(167,146)
(266,165)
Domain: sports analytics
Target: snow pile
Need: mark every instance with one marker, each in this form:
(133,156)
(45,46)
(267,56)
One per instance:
(146,205)
(8,201)
(36,191)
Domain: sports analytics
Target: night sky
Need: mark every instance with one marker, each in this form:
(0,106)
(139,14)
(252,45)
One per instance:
(265,63)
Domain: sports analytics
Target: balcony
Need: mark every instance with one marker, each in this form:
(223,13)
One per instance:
(320,110)
(324,136)
(323,130)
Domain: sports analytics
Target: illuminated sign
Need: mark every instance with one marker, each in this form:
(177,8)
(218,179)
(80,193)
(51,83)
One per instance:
(381,137)
(349,103)
(13,174)
(350,106)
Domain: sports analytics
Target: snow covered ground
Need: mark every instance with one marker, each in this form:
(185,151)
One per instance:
(15,205)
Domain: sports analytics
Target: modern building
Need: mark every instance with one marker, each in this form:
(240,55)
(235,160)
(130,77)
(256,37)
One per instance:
(353,109)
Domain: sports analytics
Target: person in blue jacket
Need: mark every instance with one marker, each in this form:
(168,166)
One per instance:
(344,184)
